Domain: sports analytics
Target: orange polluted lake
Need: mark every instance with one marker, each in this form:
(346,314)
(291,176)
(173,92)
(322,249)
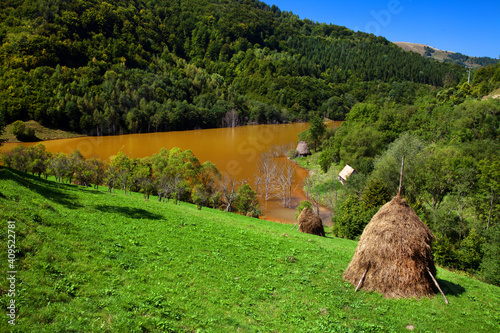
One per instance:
(233,150)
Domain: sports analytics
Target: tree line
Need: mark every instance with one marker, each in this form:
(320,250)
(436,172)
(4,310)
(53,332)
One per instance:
(171,175)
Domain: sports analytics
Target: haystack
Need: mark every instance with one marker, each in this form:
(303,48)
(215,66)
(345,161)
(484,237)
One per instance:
(393,254)
(303,149)
(310,223)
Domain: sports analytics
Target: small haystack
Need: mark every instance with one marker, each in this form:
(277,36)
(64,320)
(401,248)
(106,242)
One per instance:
(394,253)
(346,172)
(310,223)
(303,149)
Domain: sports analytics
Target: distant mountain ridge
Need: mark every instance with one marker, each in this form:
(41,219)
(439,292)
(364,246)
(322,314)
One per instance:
(446,56)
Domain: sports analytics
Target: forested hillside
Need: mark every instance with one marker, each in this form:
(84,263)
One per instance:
(137,66)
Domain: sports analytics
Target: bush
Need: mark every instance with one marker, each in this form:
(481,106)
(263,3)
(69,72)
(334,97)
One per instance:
(376,194)
(351,218)
(21,132)
(490,266)
(246,200)
(470,253)
(444,253)
(326,158)
(301,206)
(199,196)
(18,129)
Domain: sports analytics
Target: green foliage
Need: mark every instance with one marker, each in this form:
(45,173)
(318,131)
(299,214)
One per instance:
(303,204)
(22,132)
(490,265)
(375,194)
(351,217)
(199,196)
(444,252)
(450,143)
(486,202)
(359,148)
(326,158)
(470,254)
(387,167)
(246,200)
(316,130)
(486,79)
(2,128)
(173,174)
(18,128)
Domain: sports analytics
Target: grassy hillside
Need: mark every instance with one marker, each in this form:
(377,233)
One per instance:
(446,56)
(41,132)
(92,261)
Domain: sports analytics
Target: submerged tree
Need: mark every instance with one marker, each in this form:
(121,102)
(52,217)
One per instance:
(266,175)
(284,183)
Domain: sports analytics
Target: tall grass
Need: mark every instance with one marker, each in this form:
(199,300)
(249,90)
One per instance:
(90,261)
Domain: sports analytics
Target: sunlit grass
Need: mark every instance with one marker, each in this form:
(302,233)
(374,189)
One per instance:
(90,261)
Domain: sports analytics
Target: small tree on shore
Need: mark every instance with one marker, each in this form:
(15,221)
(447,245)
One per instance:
(246,200)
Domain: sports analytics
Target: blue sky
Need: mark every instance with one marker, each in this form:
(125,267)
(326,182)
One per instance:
(469,27)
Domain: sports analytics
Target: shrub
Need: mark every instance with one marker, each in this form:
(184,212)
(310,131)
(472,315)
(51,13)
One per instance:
(470,253)
(301,206)
(18,129)
(199,196)
(351,218)
(444,253)
(490,266)
(326,158)
(246,200)
(376,194)
(21,132)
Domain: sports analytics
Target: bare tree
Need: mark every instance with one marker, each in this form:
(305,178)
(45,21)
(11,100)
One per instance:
(228,186)
(266,175)
(280,150)
(284,183)
(231,119)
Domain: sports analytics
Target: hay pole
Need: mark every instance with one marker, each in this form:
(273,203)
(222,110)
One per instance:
(401,176)
(437,285)
(362,279)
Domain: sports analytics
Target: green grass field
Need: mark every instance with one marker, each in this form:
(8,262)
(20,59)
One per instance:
(90,261)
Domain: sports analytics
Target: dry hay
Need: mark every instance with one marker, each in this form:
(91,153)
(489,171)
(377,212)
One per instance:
(310,223)
(303,149)
(396,248)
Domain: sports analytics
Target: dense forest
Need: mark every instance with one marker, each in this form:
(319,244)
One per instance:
(116,67)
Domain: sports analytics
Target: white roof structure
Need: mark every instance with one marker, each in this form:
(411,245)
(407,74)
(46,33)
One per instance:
(345,173)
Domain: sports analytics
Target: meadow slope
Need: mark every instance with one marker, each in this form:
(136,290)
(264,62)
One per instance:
(90,261)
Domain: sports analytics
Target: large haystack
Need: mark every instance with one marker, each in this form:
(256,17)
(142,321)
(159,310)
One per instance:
(396,248)
(310,223)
